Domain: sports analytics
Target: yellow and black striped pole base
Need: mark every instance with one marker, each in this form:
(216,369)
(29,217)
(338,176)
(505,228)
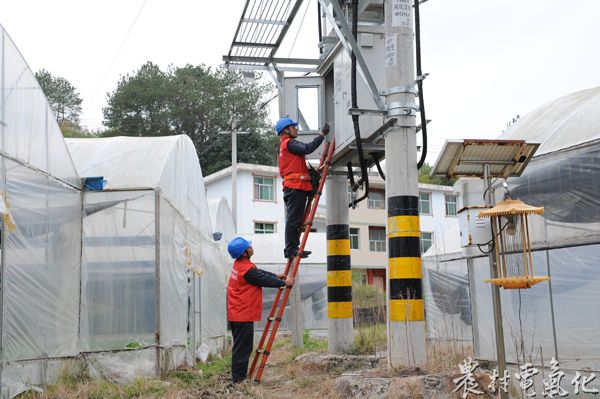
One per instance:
(405,293)
(339,272)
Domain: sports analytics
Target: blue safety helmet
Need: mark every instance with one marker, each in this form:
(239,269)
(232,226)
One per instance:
(283,123)
(238,246)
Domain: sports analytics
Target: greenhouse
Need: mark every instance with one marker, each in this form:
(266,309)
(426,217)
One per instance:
(116,283)
(558,318)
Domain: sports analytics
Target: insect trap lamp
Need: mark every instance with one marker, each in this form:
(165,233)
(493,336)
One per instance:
(512,246)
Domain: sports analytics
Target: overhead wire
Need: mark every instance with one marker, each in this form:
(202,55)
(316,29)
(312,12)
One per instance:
(299,27)
(118,51)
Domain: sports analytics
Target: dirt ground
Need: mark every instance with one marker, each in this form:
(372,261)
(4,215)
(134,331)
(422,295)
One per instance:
(284,377)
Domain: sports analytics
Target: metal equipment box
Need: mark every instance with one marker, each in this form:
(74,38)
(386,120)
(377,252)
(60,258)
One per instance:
(473,229)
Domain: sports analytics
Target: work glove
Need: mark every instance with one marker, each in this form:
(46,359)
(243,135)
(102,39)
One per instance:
(325,129)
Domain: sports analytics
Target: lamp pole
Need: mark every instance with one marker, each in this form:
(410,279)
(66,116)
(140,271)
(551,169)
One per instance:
(496,304)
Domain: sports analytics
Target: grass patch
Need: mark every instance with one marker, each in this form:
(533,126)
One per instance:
(215,365)
(101,389)
(311,344)
(368,339)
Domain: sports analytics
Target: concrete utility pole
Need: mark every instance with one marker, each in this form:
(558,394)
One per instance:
(296,315)
(339,271)
(234,134)
(405,307)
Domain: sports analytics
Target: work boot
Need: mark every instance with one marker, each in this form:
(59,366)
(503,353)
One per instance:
(304,254)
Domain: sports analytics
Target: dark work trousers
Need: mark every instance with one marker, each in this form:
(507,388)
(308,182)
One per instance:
(295,205)
(243,341)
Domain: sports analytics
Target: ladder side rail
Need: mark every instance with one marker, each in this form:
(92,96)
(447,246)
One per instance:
(268,323)
(267,327)
(296,261)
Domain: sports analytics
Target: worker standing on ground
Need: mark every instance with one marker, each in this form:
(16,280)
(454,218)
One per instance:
(244,302)
(297,186)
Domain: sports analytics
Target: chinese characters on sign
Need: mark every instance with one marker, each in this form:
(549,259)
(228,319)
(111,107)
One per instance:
(402,13)
(467,383)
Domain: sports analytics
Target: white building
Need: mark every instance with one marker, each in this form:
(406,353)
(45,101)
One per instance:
(261,211)
(260,208)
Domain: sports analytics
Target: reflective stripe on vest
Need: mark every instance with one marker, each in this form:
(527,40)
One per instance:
(296,176)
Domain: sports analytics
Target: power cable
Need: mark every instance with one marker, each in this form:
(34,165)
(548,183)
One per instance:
(118,51)
(299,27)
(420,78)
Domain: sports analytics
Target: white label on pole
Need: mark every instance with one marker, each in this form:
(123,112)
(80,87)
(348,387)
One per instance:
(391,51)
(402,13)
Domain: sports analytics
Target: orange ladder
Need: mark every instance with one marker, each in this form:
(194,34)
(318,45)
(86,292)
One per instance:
(273,320)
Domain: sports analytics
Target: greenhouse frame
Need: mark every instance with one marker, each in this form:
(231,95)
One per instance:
(118,283)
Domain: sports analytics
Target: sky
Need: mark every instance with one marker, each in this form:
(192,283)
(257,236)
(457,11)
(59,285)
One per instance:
(488,60)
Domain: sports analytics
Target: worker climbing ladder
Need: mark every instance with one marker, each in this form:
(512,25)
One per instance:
(291,266)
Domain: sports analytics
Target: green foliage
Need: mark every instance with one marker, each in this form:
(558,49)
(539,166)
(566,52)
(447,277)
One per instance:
(62,96)
(367,296)
(425,178)
(199,102)
(133,345)
(311,344)
(215,365)
(369,338)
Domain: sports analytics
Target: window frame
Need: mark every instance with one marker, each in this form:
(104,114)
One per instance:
(371,202)
(265,223)
(256,186)
(455,203)
(352,195)
(355,236)
(428,201)
(421,240)
(377,245)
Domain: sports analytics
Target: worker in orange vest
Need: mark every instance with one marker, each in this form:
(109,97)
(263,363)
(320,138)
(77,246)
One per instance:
(297,186)
(244,302)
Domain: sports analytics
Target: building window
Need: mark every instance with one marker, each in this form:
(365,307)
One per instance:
(451,205)
(426,241)
(354,238)
(352,195)
(425,203)
(376,199)
(377,238)
(264,188)
(264,228)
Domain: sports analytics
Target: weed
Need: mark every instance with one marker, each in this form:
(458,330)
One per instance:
(215,365)
(368,339)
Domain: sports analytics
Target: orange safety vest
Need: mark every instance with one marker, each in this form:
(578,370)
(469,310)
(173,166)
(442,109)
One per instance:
(244,300)
(292,168)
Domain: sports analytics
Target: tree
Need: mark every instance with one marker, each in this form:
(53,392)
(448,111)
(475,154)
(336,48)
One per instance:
(62,97)
(424,177)
(199,102)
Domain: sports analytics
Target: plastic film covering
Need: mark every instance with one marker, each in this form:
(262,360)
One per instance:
(565,122)
(41,270)
(447,301)
(170,163)
(313,296)
(30,131)
(567,184)
(174,303)
(19,377)
(527,314)
(221,218)
(312,276)
(119,270)
(216,266)
(122,367)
